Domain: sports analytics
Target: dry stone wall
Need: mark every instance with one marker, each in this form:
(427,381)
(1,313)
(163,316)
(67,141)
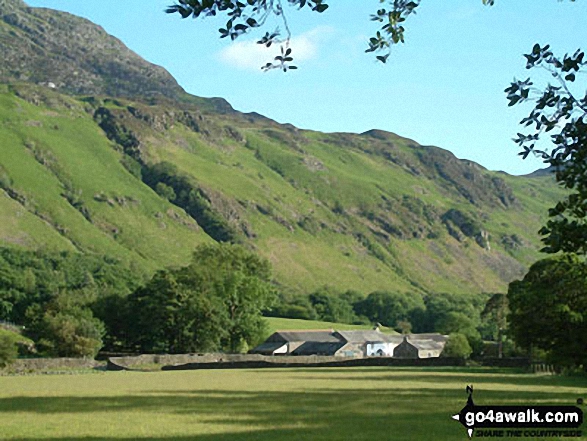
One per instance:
(244,361)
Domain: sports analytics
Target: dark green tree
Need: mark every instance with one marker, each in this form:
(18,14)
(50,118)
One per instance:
(63,327)
(214,303)
(331,307)
(168,316)
(37,277)
(53,295)
(390,308)
(548,309)
(440,305)
(8,350)
(457,346)
(292,306)
(241,280)
(165,191)
(495,315)
(456,322)
(494,319)
(184,192)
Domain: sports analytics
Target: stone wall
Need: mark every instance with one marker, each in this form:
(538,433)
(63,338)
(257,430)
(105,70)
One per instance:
(237,361)
(40,365)
(244,361)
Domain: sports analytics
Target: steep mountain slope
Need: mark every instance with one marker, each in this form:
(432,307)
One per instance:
(370,211)
(57,168)
(46,46)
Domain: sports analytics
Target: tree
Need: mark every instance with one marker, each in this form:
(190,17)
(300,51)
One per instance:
(165,191)
(560,110)
(242,281)
(214,303)
(184,192)
(495,313)
(459,323)
(332,307)
(390,308)
(439,305)
(8,350)
(548,309)
(457,346)
(29,278)
(293,306)
(168,316)
(494,316)
(63,327)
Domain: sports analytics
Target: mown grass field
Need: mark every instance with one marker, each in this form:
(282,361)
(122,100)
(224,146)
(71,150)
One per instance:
(355,404)
(285,324)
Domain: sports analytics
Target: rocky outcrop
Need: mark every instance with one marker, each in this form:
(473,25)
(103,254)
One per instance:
(68,52)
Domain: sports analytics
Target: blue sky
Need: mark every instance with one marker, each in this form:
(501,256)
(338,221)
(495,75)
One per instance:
(444,87)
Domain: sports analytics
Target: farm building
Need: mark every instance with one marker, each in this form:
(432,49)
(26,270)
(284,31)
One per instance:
(352,344)
(368,343)
(300,343)
(420,346)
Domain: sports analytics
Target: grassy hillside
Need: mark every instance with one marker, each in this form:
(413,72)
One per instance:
(65,188)
(371,211)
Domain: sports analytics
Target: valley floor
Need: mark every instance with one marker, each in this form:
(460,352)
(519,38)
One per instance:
(356,404)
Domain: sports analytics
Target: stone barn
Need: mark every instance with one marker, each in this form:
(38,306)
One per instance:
(368,343)
(420,346)
(356,343)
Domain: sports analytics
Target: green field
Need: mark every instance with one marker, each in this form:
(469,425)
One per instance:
(361,404)
(285,324)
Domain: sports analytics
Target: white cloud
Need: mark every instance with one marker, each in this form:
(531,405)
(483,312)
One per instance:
(248,55)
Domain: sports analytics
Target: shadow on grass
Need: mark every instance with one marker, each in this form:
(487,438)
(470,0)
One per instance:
(316,415)
(510,377)
(412,369)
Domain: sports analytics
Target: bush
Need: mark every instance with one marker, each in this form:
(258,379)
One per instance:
(132,165)
(457,346)
(8,350)
(165,191)
(69,336)
(65,328)
(331,307)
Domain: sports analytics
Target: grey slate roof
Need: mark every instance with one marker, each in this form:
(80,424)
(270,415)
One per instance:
(268,347)
(318,348)
(315,336)
(369,336)
(430,336)
(429,345)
